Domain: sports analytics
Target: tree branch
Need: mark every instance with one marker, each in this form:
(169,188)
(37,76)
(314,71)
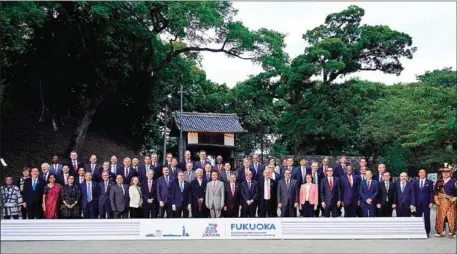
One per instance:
(368,69)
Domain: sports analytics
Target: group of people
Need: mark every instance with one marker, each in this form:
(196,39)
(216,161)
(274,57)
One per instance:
(202,190)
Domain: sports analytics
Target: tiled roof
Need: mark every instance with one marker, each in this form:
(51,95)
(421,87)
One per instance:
(207,122)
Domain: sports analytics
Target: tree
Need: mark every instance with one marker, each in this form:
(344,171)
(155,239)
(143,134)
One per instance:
(444,77)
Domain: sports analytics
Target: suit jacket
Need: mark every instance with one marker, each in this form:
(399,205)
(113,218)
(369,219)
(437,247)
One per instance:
(119,200)
(97,168)
(56,169)
(350,193)
(182,165)
(293,172)
(126,179)
(199,164)
(207,178)
(181,199)
(219,168)
(369,193)
(330,196)
(142,172)
(111,176)
(424,196)
(147,193)
(33,196)
(84,194)
(299,174)
(72,169)
(322,171)
(223,177)
(232,201)
(384,196)
(248,193)
(339,170)
(164,190)
(198,191)
(287,196)
(273,189)
(60,178)
(189,176)
(104,196)
(174,171)
(377,177)
(241,174)
(214,196)
(77,181)
(42,176)
(317,179)
(313,194)
(259,170)
(407,197)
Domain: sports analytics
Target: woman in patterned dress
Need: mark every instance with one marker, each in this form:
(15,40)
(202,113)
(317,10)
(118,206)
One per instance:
(51,196)
(70,196)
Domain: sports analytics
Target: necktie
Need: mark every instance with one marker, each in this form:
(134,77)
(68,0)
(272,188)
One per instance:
(75,167)
(350,180)
(249,185)
(147,168)
(214,186)
(89,192)
(232,189)
(123,191)
(403,186)
(46,176)
(106,186)
(167,180)
(92,168)
(268,189)
(368,185)
(380,178)
(422,184)
(287,184)
(228,175)
(202,163)
(34,185)
(330,183)
(149,185)
(325,168)
(181,187)
(315,178)
(208,176)
(65,178)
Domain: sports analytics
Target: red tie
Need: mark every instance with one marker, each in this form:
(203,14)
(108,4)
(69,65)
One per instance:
(330,183)
(350,180)
(75,167)
(368,185)
(324,170)
(232,189)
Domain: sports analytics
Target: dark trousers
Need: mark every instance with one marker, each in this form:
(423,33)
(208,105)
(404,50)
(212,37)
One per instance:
(135,213)
(167,208)
(424,210)
(359,210)
(307,210)
(248,211)
(197,211)
(181,211)
(24,213)
(7,217)
(34,211)
(385,211)
(71,217)
(266,208)
(149,210)
(368,210)
(330,210)
(91,211)
(288,211)
(350,210)
(232,213)
(120,214)
(105,210)
(403,210)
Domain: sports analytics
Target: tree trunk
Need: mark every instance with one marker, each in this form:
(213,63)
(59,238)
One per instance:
(77,141)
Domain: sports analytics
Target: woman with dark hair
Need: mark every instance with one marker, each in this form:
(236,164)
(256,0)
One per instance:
(136,201)
(51,196)
(70,195)
(308,197)
(20,185)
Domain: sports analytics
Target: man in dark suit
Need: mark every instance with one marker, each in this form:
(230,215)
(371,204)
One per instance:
(350,192)
(324,167)
(257,167)
(149,196)
(249,196)
(381,168)
(189,174)
(157,167)
(181,197)
(45,172)
(225,175)
(104,197)
(368,193)
(89,197)
(232,198)
(187,159)
(362,176)
(164,192)
(289,166)
(302,171)
(62,176)
(33,195)
(127,172)
(114,166)
(93,167)
(424,192)
(387,196)
(79,179)
(219,166)
(340,168)
(55,165)
(74,164)
(198,187)
(208,173)
(288,195)
(241,173)
(317,176)
(143,169)
(173,168)
(119,198)
(362,163)
(330,194)
(266,205)
(202,161)
(405,193)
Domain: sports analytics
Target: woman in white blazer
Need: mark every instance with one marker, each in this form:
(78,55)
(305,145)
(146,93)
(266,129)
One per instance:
(135,196)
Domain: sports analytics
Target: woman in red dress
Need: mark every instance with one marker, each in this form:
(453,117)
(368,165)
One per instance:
(51,198)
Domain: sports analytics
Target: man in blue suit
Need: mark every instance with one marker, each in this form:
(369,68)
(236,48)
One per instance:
(249,196)
(104,197)
(181,197)
(302,171)
(46,172)
(89,198)
(424,190)
(202,161)
(405,193)
(368,193)
(241,173)
(33,195)
(330,194)
(317,175)
(340,168)
(164,192)
(350,192)
(289,166)
(257,167)
(143,169)
(127,172)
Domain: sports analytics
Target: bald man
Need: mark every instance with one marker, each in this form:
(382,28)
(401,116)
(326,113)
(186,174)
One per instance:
(405,197)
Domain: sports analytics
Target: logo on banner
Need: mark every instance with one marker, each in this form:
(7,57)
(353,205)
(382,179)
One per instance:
(160,233)
(211,231)
(253,229)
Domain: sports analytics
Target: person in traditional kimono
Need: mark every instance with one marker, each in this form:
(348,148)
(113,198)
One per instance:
(445,199)
(11,199)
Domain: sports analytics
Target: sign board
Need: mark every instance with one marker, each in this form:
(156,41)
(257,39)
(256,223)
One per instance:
(432,177)
(229,139)
(223,228)
(193,138)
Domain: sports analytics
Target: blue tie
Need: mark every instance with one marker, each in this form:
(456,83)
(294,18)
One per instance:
(34,184)
(181,186)
(89,192)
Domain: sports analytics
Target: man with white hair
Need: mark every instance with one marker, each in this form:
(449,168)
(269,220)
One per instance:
(405,198)
(127,172)
(45,172)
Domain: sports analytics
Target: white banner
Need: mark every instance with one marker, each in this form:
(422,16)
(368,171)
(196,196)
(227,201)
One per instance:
(224,228)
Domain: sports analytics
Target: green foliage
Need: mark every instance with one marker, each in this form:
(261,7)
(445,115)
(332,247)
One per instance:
(444,77)
(395,157)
